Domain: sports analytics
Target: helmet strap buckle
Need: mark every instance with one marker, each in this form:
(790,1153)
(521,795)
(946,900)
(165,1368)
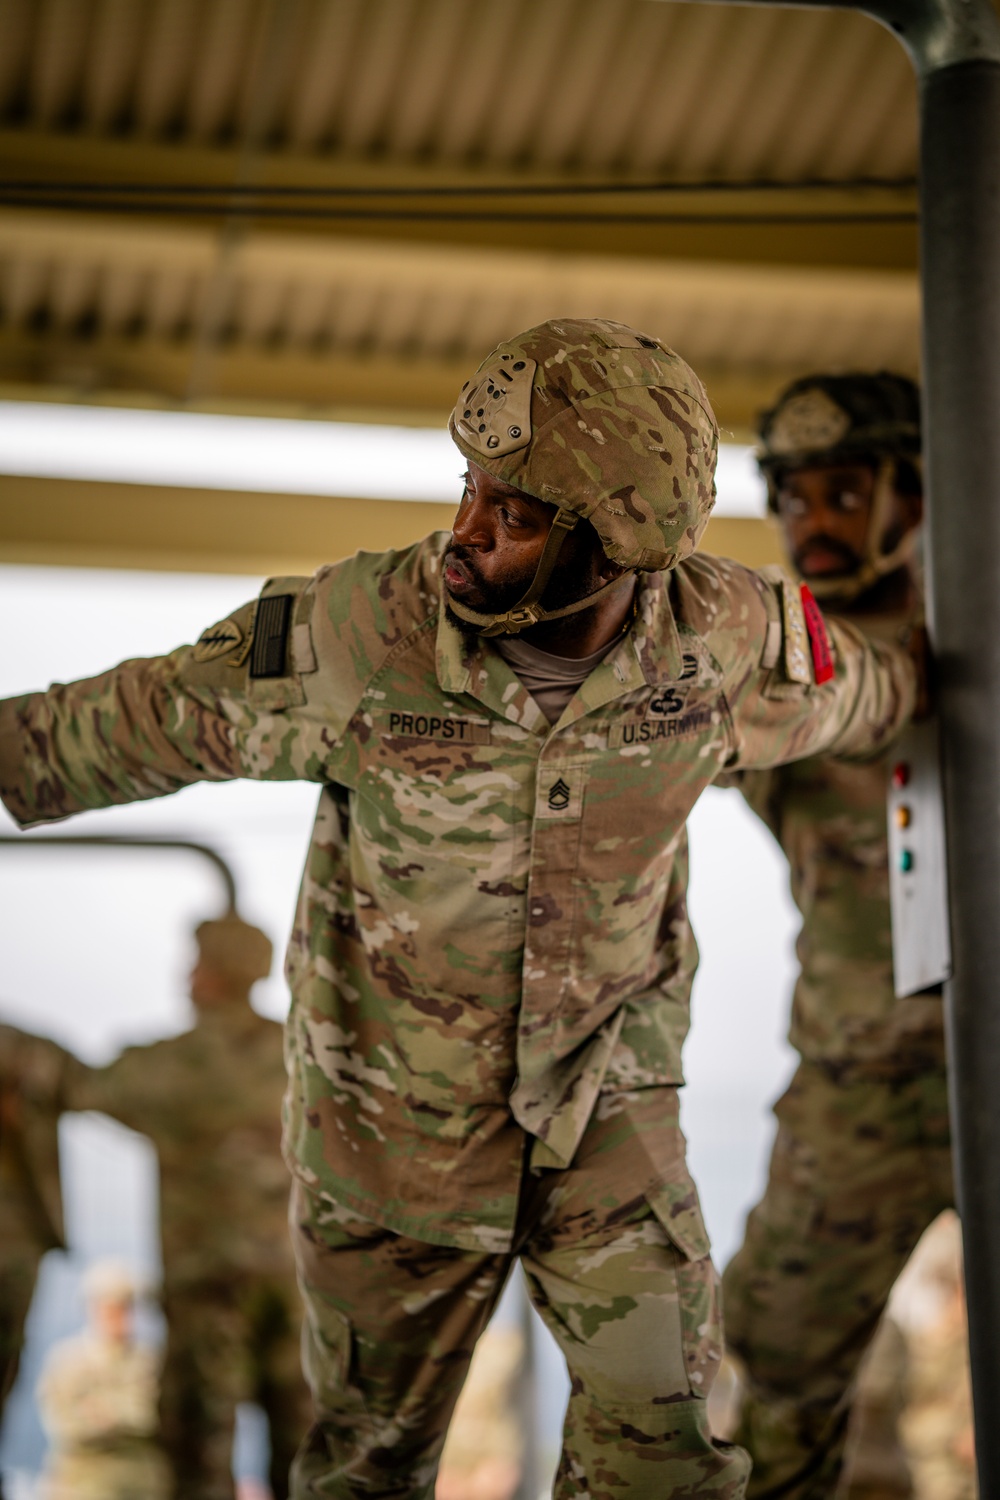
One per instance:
(521,617)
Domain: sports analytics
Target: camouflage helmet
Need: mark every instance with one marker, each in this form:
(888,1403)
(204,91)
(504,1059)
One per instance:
(607,425)
(828,419)
(231,947)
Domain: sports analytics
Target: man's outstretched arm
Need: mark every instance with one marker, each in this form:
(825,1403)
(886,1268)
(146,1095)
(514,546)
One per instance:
(150,727)
(828,689)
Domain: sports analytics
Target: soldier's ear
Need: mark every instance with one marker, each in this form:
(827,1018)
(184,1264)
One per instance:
(911,509)
(909,488)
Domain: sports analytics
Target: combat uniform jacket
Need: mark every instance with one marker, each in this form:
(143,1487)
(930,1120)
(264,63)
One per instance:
(491,939)
(829,816)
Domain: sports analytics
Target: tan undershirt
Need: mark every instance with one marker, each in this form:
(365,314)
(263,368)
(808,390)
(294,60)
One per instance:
(551,680)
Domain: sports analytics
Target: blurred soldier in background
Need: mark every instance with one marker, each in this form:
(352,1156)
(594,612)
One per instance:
(97,1395)
(861,1162)
(875,1461)
(936,1423)
(210,1100)
(482,1456)
(37,1079)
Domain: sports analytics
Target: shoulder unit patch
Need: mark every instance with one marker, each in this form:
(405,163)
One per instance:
(217,641)
(787,639)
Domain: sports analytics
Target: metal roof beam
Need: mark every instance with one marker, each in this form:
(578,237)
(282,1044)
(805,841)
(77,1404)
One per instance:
(769,225)
(87,523)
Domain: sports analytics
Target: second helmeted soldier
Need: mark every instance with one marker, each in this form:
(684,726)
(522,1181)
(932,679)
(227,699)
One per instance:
(861,1163)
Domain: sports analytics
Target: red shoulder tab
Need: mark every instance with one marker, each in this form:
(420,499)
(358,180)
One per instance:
(819,641)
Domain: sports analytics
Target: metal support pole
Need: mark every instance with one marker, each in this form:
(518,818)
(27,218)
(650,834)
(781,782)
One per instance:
(955,49)
(111,841)
(960,193)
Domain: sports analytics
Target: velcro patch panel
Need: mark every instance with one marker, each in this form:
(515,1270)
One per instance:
(270,636)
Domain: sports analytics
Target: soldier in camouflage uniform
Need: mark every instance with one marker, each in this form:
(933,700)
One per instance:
(861,1161)
(937,1426)
(97,1395)
(210,1100)
(491,959)
(37,1080)
(876,1466)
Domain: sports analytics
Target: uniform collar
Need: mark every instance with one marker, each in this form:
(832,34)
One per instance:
(657,639)
(468,664)
(649,653)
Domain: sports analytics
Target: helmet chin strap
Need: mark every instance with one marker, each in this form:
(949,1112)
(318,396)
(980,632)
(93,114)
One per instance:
(875,563)
(528,611)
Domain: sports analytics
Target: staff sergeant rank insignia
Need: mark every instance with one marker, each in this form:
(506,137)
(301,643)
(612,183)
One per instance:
(559,795)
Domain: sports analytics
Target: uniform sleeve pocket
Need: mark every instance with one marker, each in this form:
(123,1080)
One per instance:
(328,1364)
(327,1351)
(786,653)
(678,1210)
(678,1213)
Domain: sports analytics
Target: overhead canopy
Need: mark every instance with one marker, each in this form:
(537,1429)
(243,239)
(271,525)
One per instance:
(760,213)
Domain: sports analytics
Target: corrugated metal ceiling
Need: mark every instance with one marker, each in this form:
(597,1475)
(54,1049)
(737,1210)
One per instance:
(371,297)
(558,90)
(609,86)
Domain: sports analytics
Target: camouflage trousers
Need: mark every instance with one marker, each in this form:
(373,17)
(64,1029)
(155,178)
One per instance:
(19,1264)
(96,1473)
(626,1287)
(230,1341)
(860,1168)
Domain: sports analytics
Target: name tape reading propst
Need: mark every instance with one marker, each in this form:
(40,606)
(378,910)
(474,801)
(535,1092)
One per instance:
(444,727)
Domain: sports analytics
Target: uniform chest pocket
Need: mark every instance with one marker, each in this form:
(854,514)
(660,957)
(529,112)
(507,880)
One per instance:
(440,776)
(436,748)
